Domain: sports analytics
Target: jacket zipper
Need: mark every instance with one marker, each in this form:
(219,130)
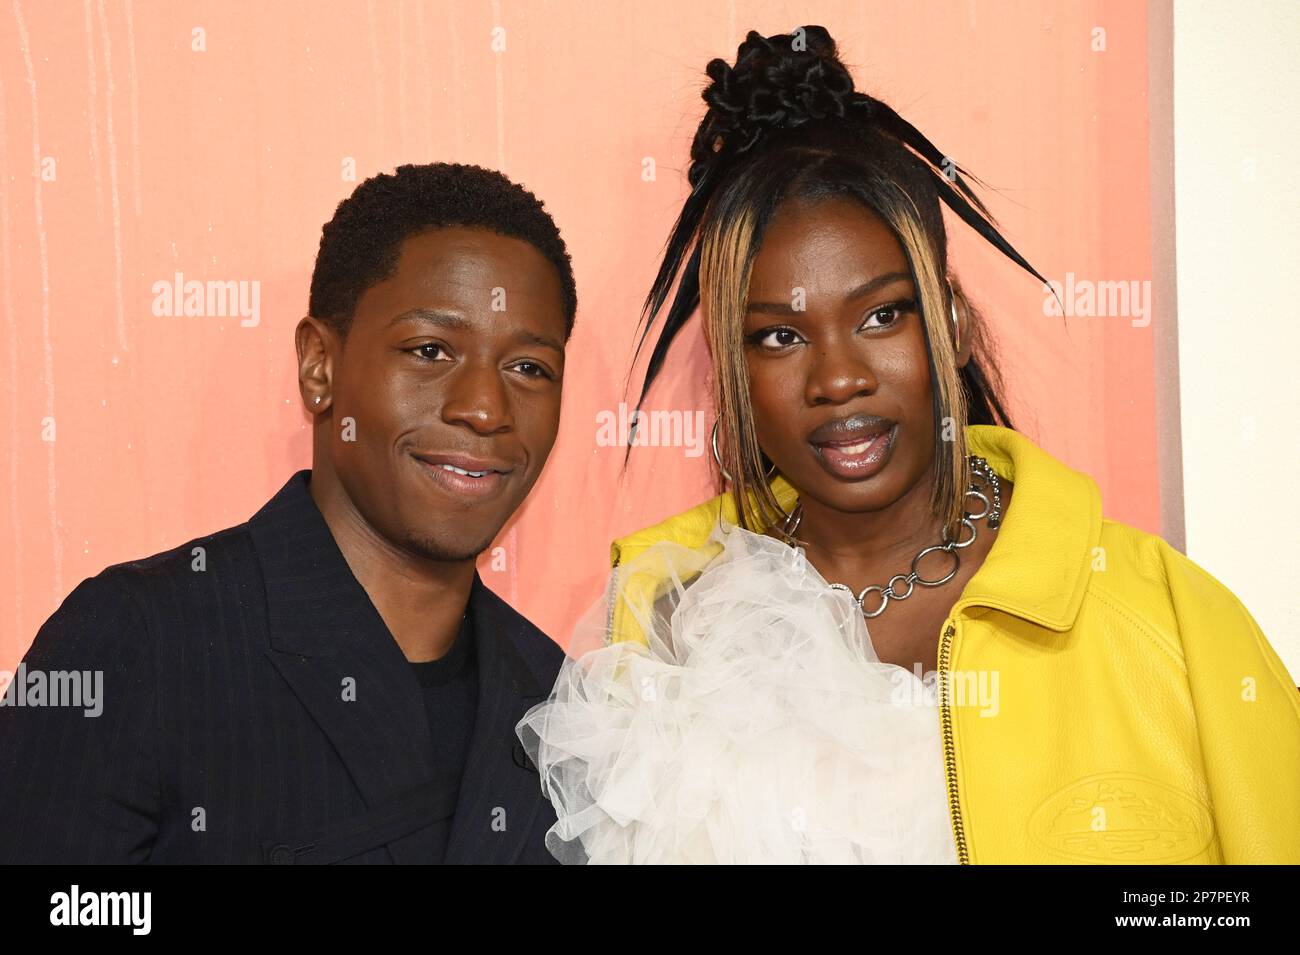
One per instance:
(613,597)
(949,749)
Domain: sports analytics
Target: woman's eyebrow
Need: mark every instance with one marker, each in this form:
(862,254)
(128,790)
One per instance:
(880,281)
(866,288)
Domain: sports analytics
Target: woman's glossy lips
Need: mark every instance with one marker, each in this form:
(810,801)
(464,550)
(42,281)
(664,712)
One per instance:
(859,458)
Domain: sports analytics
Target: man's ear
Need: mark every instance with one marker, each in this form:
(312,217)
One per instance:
(317,346)
(963,330)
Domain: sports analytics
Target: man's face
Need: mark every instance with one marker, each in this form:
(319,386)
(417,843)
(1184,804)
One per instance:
(452,371)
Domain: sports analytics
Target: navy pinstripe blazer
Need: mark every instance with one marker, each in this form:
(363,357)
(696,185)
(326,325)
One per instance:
(226,735)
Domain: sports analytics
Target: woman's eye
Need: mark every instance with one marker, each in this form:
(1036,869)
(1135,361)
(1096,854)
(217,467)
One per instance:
(776,338)
(888,315)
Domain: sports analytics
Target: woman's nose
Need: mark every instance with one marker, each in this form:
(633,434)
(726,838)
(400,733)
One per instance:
(838,375)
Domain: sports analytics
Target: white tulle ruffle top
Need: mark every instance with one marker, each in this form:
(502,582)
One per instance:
(755,725)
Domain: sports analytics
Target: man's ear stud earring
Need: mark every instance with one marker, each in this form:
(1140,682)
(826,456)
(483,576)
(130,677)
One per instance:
(318,399)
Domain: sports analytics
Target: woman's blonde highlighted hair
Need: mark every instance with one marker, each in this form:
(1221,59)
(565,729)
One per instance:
(728,246)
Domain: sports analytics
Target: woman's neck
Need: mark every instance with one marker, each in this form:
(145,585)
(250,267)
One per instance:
(868,545)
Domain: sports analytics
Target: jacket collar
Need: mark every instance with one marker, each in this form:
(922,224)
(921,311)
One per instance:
(1039,566)
(324,631)
(499,792)
(1041,562)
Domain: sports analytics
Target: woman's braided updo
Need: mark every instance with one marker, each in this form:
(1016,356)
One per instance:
(784,81)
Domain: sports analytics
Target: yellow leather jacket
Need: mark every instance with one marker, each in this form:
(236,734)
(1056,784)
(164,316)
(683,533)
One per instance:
(1140,715)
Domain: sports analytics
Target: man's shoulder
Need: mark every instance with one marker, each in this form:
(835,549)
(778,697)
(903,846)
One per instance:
(214,562)
(114,616)
(193,567)
(542,654)
(191,556)
(177,591)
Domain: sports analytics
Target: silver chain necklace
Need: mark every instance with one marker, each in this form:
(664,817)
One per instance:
(983,478)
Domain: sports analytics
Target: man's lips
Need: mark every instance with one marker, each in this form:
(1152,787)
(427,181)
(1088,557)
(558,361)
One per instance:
(465,474)
(464,462)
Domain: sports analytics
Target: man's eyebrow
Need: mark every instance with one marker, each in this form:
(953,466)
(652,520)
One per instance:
(460,323)
(866,288)
(523,335)
(445,319)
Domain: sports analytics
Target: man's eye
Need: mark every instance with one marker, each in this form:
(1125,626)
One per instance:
(533,370)
(429,351)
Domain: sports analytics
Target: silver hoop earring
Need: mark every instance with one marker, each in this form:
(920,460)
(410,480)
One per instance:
(956,328)
(717,459)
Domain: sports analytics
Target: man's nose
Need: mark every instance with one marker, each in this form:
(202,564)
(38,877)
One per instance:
(476,396)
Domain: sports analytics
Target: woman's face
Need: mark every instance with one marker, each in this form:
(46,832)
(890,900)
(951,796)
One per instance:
(836,354)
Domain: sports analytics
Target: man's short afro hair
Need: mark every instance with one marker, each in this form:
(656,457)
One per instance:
(359,247)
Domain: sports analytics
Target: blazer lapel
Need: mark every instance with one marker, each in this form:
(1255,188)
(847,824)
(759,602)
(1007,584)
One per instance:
(333,649)
(499,795)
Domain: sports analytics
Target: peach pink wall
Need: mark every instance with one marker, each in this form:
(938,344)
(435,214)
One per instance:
(128,156)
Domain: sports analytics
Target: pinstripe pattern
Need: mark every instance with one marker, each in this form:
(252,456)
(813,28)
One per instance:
(224,704)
